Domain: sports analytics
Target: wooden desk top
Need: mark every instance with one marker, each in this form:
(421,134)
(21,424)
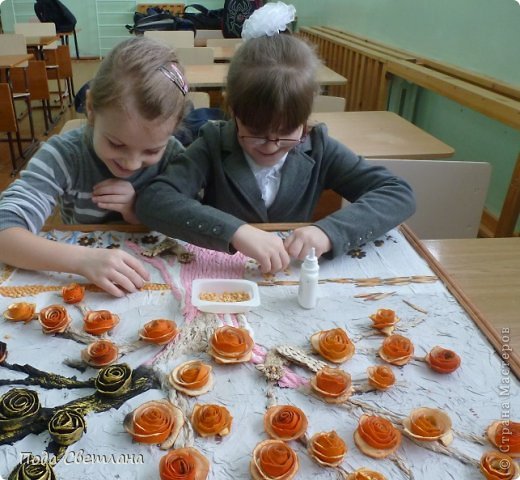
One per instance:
(487,270)
(41,40)
(382,134)
(10,61)
(214,75)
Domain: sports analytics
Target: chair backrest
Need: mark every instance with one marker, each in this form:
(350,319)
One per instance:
(12,44)
(174,39)
(199,99)
(223,42)
(8,118)
(328,103)
(196,55)
(37,80)
(61,57)
(202,36)
(450,195)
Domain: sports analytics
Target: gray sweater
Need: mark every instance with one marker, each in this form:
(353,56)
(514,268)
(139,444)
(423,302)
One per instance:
(215,164)
(64,172)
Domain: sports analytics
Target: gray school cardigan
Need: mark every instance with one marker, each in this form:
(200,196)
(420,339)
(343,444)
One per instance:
(209,191)
(64,171)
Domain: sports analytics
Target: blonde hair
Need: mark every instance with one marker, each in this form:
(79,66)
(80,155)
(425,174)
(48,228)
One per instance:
(271,83)
(129,76)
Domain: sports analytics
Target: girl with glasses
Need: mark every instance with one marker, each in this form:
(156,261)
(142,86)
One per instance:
(266,165)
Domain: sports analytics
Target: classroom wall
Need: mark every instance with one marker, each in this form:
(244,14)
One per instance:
(478,35)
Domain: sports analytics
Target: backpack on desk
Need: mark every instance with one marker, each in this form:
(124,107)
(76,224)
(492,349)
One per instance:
(235,14)
(160,20)
(54,11)
(204,19)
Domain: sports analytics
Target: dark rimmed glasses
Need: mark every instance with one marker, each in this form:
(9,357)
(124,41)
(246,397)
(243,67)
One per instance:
(279,142)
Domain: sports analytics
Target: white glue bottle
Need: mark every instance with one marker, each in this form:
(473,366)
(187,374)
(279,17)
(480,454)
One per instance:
(309,275)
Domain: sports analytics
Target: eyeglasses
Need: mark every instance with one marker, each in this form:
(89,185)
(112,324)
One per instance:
(279,142)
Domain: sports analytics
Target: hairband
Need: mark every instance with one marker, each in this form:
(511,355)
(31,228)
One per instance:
(175,75)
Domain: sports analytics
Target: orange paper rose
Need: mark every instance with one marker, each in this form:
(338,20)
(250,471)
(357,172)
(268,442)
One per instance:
(397,350)
(505,435)
(20,312)
(380,377)
(54,319)
(428,424)
(209,420)
(327,448)
(376,436)
(159,331)
(332,384)
(184,464)
(273,460)
(231,345)
(333,345)
(498,466)
(384,320)
(155,422)
(285,422)
(100,321)
(365,474)
(100,354)
(442,360)
(192,378)
(73,293)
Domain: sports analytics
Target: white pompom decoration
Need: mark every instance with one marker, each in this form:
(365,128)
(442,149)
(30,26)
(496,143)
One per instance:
(268,20)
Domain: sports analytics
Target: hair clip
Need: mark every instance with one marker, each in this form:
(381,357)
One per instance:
(175,75)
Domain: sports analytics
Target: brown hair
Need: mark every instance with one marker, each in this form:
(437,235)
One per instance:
(130,75)
(271,83)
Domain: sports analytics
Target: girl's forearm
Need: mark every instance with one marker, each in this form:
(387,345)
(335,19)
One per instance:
(22,249)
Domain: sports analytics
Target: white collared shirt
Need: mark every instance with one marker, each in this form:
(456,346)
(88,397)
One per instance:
(267,178)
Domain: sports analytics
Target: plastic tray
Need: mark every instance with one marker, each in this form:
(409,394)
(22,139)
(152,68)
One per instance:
(221,285)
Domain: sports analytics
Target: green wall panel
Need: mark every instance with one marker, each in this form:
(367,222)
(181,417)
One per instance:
(478,35)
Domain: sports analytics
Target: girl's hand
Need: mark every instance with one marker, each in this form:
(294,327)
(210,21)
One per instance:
(117,195)
(266,248)
(300,242)
(115,271)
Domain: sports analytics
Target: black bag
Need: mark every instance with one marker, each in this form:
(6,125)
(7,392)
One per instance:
(55,12)
(193,121)
(235,14)
(157,19)
(205,19)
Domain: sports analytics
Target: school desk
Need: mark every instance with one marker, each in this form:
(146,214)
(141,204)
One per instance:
(393,272)
(223,54)
(10,61)
(382,134)
(39,42)
(485,271)
(214,75)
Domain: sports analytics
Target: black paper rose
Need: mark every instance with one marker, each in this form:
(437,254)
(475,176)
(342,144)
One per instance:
(3,351)
(18,407)
(114,380)
(32,469)
(67,426)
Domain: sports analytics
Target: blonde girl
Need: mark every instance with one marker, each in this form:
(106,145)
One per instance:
(134,104)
